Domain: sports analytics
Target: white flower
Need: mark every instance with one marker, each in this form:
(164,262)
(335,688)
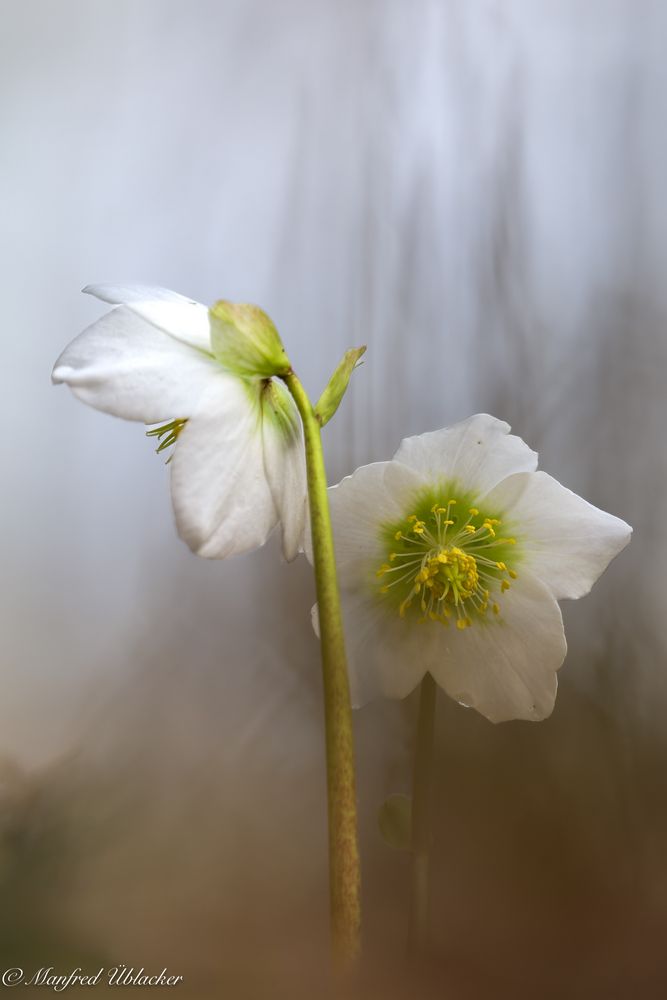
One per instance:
(452,558)
(238,464)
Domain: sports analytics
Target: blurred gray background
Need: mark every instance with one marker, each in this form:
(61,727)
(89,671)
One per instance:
(477,192)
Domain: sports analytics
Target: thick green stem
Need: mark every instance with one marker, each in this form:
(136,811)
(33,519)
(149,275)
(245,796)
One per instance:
(343,839)
(422,788)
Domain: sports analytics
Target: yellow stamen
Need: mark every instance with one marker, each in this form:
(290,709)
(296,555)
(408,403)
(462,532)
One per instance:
(447,565)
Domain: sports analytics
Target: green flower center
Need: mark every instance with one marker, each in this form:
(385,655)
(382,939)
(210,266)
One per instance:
(447,560)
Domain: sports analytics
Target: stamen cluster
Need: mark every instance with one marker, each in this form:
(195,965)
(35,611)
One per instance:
(167,435)
(447,564)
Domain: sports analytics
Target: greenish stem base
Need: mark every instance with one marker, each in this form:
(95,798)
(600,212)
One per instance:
(344,868)
(422,789)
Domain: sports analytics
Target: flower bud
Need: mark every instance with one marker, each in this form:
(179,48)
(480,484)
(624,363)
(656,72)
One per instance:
(245,340)
(330,399)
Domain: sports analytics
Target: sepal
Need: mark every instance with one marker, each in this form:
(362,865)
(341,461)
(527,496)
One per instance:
(245,340)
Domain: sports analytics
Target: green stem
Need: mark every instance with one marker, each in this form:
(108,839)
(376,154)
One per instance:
(422,787)
(343,840)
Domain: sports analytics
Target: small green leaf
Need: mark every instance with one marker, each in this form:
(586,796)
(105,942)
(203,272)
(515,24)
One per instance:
(395,821)
(330,399)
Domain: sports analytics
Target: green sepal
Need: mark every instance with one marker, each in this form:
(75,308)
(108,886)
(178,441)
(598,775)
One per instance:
(395,821)
(245,340)
(330,399)
(279,410)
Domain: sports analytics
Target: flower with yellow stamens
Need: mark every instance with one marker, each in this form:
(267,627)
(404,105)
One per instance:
(210,380)
(452,558)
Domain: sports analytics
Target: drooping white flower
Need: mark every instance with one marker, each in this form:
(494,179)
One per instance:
(452,558)
(238,464)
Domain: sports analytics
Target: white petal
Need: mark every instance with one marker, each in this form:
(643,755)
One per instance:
(118,295)
(477,453)
(180,317)
(360,505)
(125,366)
(285,467)
(567,541)
(504,666)
(387,655)
(219,489)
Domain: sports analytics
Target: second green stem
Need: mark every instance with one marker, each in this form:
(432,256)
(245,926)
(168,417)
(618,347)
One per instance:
(422,789)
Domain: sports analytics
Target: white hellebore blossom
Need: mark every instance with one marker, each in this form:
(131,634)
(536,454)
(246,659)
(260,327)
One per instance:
(452,558)
(205,375)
